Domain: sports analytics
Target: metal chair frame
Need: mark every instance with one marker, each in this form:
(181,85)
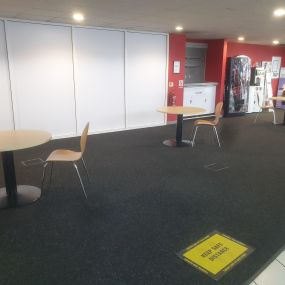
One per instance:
(270,109)
(213,124)
(50,159)
(215,133)
(264,107)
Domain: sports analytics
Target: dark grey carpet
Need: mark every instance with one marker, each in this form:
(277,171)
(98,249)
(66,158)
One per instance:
(146,203)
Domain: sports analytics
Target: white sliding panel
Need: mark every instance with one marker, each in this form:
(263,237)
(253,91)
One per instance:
(41,68)
(6,110)
(99,78)
(146,62)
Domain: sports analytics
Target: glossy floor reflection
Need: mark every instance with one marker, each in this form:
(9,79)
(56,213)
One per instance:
(273,274)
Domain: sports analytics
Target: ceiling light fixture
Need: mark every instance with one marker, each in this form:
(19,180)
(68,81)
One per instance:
(241,38)
(279,12)
(275,42)
(179,28)
(78,17)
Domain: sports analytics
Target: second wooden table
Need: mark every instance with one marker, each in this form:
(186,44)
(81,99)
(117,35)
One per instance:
(179,111)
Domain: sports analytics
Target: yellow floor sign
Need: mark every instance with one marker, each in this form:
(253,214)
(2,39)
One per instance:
(215,254)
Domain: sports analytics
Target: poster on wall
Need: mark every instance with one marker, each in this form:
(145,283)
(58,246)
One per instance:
(281,88)
(276,64)
(267,65)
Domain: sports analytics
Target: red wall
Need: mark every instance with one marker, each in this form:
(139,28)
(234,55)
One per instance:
(176,52)
(216,65)
(217,53)
(219,50)
(258,53)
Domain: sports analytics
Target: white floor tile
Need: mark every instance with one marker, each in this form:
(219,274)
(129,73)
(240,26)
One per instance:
(274,274)
(281,258)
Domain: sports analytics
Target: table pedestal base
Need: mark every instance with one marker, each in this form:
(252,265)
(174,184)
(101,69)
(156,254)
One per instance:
(26,194)
(174,143)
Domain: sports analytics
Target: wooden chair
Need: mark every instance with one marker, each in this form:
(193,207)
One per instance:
(65,155)
(212,123)
(265,107)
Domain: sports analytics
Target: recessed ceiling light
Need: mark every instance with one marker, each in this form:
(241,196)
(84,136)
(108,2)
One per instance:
(179,28)
(275,42)
(279,12)
(78,17)
(241,38)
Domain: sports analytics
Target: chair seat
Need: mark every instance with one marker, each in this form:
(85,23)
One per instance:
(267,107)
(204,122)
(64,155)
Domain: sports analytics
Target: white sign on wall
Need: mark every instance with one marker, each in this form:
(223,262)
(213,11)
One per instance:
(267,65)
(276,64)
(176,66)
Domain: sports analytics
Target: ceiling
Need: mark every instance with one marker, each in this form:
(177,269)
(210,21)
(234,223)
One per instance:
(201,19)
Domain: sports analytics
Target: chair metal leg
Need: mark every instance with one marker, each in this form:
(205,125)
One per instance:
(215,131)
(85,169)
(75,166)
(195,132)
(274,117)
(257,116)
(51,168)
(44,173)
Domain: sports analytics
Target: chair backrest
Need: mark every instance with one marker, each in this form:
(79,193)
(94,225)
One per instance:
(218,112)
(83,138)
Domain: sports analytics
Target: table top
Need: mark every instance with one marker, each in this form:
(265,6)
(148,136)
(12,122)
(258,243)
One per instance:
(277,98)
(181,110)
(21,139)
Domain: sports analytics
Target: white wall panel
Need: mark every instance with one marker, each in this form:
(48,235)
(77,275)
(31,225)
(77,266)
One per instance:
(146,62)
(41,69)
(6,110)
(99,78)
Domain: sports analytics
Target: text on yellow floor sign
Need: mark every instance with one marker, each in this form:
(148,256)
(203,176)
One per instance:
(215,254)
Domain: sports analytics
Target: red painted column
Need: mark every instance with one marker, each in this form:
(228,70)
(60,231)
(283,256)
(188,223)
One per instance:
(177,47)
(216,65)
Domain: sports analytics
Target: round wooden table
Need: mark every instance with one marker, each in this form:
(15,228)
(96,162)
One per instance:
(279,98)
(179,111)
(12,194)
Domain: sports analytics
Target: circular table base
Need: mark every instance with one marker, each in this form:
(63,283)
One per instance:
(173,143)
(26,194)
